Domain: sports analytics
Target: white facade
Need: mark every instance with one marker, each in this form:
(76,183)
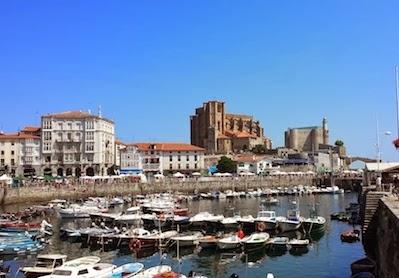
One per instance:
(19,154)
(327,161)
(77,143)
(131,160)
(253,164)
(171,157)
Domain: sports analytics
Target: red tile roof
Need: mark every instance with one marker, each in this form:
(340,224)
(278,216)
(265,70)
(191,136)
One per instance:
(16,136)
(72,115)
(167,147)
(31,129)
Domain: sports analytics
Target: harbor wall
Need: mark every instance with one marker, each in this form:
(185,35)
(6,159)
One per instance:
(386,249)
(35,194)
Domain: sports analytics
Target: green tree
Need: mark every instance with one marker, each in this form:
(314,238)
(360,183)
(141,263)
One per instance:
(339,143)
(226,165)
(259,149)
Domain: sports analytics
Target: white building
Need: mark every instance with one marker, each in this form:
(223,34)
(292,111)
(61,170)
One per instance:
(76,143)
(20,154)
(131,160)
(167,158)
(327,161)
(119,148)
(252,164)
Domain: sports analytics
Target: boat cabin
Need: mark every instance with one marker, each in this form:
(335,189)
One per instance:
(50,261)
(293,214)
(266,214)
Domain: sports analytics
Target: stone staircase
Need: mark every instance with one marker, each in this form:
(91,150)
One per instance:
(368,214)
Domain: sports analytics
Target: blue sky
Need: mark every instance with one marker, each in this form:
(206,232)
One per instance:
(150,63)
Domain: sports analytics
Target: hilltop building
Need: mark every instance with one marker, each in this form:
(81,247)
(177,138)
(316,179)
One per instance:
(218,132)
(307,139)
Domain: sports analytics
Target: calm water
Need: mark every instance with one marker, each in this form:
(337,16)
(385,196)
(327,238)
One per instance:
(326,257)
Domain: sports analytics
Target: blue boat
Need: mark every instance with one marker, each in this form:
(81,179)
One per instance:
(127,270)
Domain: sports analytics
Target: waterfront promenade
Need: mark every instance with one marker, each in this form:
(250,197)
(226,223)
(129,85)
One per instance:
(75,189)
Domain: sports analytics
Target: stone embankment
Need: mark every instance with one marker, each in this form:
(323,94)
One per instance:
(34,194)
(380,230)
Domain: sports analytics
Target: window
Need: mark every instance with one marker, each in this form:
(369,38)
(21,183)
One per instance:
(2,152)
(12,162)
(48,158)
(178,166)
(90,158)
(2,162)
(47,146)
(83,272)
(170,166)
(12,144)
(195,157)
(47,135)
(178,158)
(69,136)
(90,146)
(78,136)
(90,125)
(12,152)
(70,126)
(170,158)
(89,136)
(187,166)
(195,166)
(46,124)
(188,158)
(60,126)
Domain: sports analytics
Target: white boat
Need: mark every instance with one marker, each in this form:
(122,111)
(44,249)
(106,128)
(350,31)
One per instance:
(187,240)
(255,240)
(266,220)
(127,270)
(230,222)
(290,223)
(298,243)
(86,266)
(205,217)
(131,217)
(77,211)
(45,264)
(230,242)
(314,224)
(279,241)
(151,272)
(271,201)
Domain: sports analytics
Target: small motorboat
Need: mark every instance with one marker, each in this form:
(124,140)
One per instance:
(279,241)
(298,243)
(314,224)
(230,242)
(186,240)
(340,216)
(290,223)
(266,220)
(350,236)
(127,270)
(271,201)
(151,272)
(363,265)
(230,222)
(208,242)
(45,264)
(255,241)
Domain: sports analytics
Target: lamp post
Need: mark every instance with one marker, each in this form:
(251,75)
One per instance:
(378,145)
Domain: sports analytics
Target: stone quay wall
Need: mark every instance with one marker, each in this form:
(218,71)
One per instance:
(386,247)
(43,193)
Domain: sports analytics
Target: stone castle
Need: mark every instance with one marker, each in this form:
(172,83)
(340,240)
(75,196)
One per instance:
(221,133)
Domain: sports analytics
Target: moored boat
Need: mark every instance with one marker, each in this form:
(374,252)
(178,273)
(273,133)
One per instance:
(229,242)
(127,270)
(298,243)
(151,272)
(290,223)
(266,220)
(255,241)
(45,264)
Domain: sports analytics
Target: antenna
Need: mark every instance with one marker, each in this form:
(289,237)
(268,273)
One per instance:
(99,111)
(397,97)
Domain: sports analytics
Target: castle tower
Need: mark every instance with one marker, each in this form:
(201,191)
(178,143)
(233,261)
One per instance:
(325,131)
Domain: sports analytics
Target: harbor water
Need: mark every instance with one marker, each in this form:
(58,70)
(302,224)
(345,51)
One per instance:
(326,256)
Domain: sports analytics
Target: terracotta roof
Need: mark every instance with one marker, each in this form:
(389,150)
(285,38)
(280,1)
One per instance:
(167,147)
(31,129)
(239,134)
(119,142)
(69,115)
(248,158)
(16,136)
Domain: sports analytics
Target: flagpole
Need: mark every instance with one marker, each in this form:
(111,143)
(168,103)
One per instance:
(397,97)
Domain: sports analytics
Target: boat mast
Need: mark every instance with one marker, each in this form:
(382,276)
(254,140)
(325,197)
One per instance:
(397,97)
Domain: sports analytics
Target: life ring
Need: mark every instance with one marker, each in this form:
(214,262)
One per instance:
(135,244)
(260,226)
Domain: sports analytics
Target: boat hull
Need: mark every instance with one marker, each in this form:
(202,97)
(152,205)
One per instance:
(286,226)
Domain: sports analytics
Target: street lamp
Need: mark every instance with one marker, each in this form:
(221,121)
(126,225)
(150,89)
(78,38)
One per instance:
(378,145)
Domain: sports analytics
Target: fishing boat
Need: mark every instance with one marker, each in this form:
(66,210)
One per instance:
(229,242)
(314,223)
(127,270)
(298,243)
(153,239)
(78,211)
(255,241)
(45,264)
(271,201)
(230,222)
(86,266)
(290,223)
(205,218)
(208,242)
(186,240)
(151,272)
(132,216)
(350,236)
(266,220)
(279,242)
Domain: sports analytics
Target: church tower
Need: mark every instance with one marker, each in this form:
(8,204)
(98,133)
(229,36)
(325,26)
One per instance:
(325,132)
